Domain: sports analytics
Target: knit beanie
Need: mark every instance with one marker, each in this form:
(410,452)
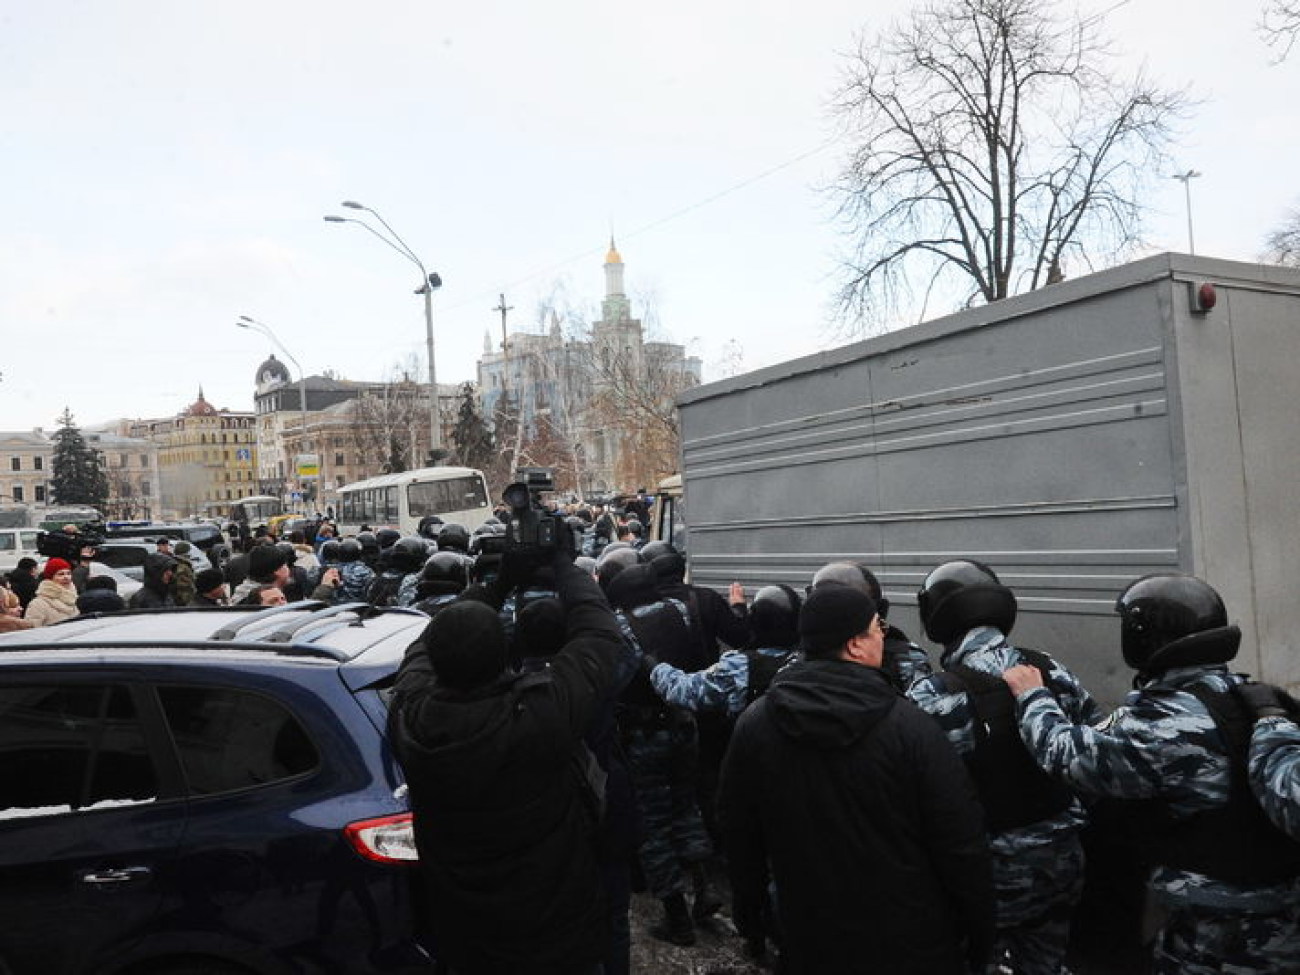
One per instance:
(208,579)
(52,566)
(831,616)
(466,644)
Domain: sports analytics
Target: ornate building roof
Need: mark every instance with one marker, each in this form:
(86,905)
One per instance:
(270,371)
(201,407)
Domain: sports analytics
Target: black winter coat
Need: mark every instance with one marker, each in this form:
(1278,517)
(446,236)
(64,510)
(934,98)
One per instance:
(869,821)
(715,618)
(506,835)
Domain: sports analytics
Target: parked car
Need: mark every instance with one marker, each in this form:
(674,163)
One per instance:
(204,535)
(128,554)
(17,544)
(201,791)
(126,586)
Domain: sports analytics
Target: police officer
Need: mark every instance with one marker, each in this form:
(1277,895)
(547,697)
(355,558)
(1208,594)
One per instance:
(1033,822)
(395,585)
(905,663)
(355,576)
(740,676)
(1225,875)
(661,745)
(442,579)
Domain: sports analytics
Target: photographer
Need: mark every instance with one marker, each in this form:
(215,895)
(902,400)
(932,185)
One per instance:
(506,802)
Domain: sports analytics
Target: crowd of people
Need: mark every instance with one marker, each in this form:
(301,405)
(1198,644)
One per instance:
(577,721)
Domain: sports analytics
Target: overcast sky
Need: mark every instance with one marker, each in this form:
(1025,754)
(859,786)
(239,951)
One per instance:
(167,166)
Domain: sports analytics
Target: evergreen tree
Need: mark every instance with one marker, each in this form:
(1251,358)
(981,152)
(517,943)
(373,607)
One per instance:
(471,436)
(78,476)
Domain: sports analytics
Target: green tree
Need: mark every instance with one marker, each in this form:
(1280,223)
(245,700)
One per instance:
(471,437)
(78,476)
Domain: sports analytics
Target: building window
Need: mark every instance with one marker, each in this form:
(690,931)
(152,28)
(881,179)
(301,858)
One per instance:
(144,460)
(144,488)
(38,463)
(15,463)
(121,460)
(40,493)
(338,460)
(18,492)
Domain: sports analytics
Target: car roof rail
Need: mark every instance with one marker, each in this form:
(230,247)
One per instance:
(229,632)
(323,618)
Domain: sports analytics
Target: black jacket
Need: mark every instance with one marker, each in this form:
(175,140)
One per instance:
(503,824)
(155,591)
(711,612)
(869,821)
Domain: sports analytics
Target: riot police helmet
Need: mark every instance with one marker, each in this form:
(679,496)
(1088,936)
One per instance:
(369,543)
(446,567)
(1174,620)
(774,617)
(668,563)
(960,595)
(408,554)
(387,538)
(613,560)
(349,550)
(453,537)
(856,576)
(329,551)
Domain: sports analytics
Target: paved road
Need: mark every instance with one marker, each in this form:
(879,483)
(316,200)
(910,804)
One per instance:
(717,951)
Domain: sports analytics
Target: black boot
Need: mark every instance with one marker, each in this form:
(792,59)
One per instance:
(676,927)
(706,901)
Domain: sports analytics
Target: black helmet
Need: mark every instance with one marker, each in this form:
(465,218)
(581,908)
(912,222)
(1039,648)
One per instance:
(446,567)
(1172,620)
(329,551)
(428,527)
(635,527)
(349,550)
(586,563)
(287,550)
(959,596)
(855,575)
(408,554)
(614,560)
(369,543)
(668,562)
(387,537)
(774,617)
(454,537)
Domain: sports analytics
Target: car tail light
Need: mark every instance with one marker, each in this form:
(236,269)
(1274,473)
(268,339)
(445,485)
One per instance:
(389,839)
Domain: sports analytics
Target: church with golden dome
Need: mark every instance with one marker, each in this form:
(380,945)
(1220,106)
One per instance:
(594,400)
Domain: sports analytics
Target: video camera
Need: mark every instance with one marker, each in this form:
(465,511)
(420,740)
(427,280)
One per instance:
(68,545)
(531,527)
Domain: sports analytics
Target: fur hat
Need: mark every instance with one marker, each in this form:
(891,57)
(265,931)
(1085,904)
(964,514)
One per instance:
(208,579)
(263,560)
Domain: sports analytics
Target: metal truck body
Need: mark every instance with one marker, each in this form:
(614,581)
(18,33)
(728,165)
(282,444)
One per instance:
(1074,438)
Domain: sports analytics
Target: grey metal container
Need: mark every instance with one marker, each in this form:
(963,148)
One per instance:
(1074,438)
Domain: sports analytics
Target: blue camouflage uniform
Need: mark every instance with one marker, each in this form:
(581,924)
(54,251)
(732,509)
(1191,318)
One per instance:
(904,662)
(722,687)
(1275,771)
(663,758)
(1163,744)
(354,582)
(1038,868)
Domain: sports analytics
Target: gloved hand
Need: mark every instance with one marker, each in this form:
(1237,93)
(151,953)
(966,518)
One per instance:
(1263,700)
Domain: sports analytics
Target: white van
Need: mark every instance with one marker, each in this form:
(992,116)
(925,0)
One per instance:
(15,544)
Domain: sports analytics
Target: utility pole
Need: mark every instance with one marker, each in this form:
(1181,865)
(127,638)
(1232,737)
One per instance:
(504,309)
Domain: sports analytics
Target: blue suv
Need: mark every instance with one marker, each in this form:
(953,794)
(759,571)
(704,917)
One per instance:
(206,791)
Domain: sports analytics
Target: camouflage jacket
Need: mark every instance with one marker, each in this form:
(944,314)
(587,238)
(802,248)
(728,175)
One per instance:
(986,649)
(722,687)
(1275,771)
(1161,743)
(354,582)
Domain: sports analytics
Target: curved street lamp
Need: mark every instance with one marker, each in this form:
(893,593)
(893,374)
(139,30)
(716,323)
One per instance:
(248,322)
(429,283)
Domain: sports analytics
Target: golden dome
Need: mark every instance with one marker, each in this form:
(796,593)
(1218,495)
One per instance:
(613,256)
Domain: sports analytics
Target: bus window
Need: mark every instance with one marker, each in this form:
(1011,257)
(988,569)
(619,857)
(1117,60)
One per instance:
(440,497)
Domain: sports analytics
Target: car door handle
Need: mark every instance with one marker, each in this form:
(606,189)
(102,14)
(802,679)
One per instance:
(118,875)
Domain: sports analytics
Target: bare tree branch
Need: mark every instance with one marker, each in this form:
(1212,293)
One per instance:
(990,142)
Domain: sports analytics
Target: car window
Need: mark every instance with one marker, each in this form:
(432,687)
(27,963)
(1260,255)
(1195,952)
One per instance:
(231,739)
(29,540)
(8,542)
(124,556)
(67,747)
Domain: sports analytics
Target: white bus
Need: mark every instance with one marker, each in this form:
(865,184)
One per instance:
(454,494)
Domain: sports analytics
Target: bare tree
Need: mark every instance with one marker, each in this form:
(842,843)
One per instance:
(991,144)
(1280,26)
(1283,244)
(390,422)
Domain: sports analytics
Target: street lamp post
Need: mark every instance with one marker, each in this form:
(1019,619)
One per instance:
(429,283)
(253,324)
(1186,179)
